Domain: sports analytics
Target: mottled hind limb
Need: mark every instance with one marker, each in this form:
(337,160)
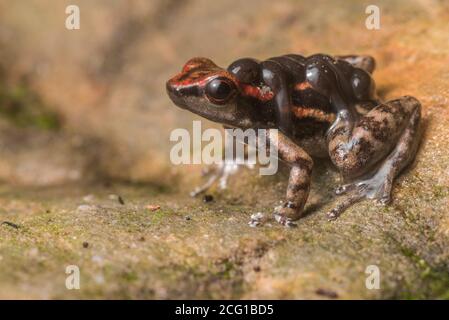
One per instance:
(383,143)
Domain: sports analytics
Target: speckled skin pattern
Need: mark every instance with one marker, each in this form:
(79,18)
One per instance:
(322,106)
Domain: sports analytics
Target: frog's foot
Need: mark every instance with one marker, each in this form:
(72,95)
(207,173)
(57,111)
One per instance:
(286,213)
(345,188)
(377,187)
(257,219)
(221,173)
(366,186)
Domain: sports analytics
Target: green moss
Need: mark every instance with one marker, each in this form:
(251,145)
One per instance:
(158,217)
(24,108)
(130,276)
(226,270)
(434,279)
(439,191)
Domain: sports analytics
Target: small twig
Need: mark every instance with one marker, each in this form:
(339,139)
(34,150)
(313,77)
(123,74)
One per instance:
(11,224)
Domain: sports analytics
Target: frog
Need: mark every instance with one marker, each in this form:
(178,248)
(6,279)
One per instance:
(312,108)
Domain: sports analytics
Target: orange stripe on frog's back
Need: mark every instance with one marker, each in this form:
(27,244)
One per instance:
(256,92)
(303,85)
(309,112)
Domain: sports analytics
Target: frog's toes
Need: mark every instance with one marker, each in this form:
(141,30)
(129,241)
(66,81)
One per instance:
(377,188)
(384,200)
(383,194)
(345,204)
(344,188)
(257,219)
(358,187)
(333,214)
(285,221)
(286,213)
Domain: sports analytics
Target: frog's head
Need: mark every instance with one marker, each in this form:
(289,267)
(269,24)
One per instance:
(209,91)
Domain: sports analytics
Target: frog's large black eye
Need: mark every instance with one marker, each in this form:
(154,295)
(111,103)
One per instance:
(220,90)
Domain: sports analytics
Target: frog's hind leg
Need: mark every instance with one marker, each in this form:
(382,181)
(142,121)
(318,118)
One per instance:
(389,131)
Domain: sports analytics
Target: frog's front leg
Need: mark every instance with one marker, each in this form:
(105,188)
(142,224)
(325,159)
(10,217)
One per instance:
(218,173)
(221,171)
(299,180)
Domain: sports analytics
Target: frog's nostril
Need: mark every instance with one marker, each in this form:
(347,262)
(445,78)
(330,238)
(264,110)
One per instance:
(173,89)
(174,93)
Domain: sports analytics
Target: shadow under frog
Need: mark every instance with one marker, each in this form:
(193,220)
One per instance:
(321,106)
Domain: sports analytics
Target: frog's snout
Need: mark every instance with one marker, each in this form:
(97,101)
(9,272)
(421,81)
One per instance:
(171,89)
(175,94)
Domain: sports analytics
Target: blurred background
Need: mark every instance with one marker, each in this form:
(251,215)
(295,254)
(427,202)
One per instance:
(88,107)
(94,98)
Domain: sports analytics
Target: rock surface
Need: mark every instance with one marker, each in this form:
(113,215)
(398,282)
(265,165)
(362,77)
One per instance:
(106,81)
